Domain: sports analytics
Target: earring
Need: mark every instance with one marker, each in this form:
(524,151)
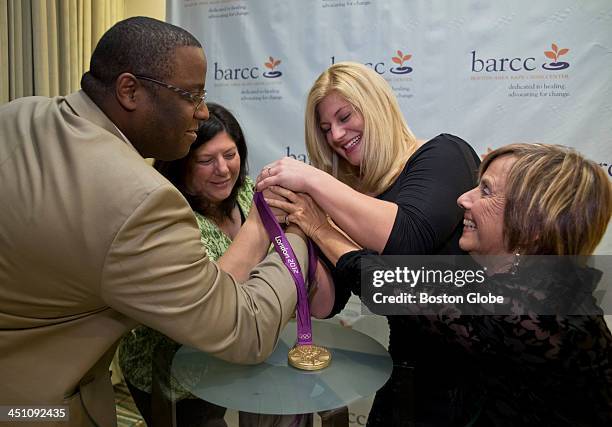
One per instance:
(515,263)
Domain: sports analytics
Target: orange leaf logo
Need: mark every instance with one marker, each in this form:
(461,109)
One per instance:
(555,53)
(272,63)
(401,58)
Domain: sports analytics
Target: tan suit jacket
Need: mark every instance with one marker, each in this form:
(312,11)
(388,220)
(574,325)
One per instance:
(94,240)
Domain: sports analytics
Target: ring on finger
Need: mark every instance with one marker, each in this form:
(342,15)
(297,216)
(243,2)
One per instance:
(287,220)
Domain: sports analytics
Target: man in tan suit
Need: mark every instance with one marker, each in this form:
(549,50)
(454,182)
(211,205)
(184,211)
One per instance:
(93,240)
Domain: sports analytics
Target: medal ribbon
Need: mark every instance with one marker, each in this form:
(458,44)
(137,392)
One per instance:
(284,250)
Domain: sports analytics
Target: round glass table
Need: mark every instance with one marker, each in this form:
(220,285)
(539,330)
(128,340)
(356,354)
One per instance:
(359,367)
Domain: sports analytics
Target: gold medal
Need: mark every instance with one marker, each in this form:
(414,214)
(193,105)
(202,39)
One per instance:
(309,357)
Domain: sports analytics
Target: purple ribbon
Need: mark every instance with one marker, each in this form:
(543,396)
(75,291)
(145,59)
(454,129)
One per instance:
(284,250)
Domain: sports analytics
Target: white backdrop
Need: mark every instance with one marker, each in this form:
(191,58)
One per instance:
(475,68)
(491,72)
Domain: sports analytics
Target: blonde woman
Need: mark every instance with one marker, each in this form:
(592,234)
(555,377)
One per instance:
(389,192)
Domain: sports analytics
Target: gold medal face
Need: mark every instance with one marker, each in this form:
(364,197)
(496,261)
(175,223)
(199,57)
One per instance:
(309,357)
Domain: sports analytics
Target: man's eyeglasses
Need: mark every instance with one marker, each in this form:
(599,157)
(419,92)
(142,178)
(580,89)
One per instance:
(197,99)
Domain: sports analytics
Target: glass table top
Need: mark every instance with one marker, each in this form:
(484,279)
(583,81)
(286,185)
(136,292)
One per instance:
(359,367)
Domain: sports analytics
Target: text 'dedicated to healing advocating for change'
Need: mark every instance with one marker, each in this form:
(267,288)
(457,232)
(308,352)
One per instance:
(492,285)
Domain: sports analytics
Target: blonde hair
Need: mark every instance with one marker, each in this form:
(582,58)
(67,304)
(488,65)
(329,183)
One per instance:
(557,202)
(387,142)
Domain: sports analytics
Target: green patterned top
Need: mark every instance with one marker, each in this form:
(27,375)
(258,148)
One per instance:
(136,348)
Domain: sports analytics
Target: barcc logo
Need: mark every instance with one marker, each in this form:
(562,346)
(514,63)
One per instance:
(491,65)
(400,59)
(381,67)
(272,64)
(248,73)
(554,54)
